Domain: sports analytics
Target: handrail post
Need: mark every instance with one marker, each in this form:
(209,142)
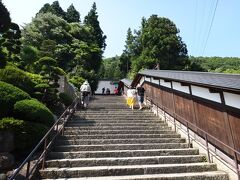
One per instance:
(188,134)
(236,165)
(28,167)
(157,109)
(45,151)
(208,153)
(174,121)
(164,114)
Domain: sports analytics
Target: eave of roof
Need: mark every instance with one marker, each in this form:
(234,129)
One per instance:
(217,80)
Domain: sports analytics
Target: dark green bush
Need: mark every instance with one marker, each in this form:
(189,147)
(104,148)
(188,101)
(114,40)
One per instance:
(26,134)
(18,78)
(65,99)
(34,111)
(9,95)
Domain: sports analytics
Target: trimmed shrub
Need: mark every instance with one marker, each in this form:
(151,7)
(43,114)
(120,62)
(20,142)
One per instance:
(65,99)
(18,78)
(34,111)
(36,78)
(26,134)
(9,95)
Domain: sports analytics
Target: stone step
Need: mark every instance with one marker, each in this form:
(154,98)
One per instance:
(119,136)
(121,116)
(114,161)
(210,175)
(109,147)
(131,121)
(148,119)
(126,170)
(77,128)
(102,132)
(120,141)
(107,106)
(109,112)
(118,122)
(123,153)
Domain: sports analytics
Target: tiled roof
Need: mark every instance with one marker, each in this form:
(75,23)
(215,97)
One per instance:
(127,82)
(220,80)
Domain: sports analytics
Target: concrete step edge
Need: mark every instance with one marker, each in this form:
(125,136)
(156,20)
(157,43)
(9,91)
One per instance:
(173,176)
(126,158)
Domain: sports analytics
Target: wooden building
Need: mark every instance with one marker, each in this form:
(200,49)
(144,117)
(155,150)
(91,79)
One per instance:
(206,103)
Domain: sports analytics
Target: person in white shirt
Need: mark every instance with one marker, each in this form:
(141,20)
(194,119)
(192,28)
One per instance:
(85,90)
(131,97)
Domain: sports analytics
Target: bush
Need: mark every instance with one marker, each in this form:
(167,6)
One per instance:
(18,78)
(36,78)
(65,99)
(9,95)
(34,111)
(26,134)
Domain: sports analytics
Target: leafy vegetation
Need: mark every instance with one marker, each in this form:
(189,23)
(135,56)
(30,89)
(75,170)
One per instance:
(26,134)
(9,95)
(217,64)
(34,111)
(157,42)
(110,69)
(18,78)
(65,99)
(55,43)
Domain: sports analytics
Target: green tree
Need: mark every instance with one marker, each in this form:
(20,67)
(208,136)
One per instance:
(57,10)
(47,94)
(51,36)
(46,27)
(48,48)
(92,20)
(29,55)
(5,19)
(156,42)
(45,9)
(11,42)
(128,53)
(5,22)
(110,69)
(72,15)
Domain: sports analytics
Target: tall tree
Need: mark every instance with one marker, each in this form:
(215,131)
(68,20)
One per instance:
(12,40)
(57,10)
(72,14)
(5,19)
(45,9)
(125,59)
(92,20)
(157,42)
(5,22)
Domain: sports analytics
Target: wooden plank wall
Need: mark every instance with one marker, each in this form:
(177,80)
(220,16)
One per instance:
(210,117)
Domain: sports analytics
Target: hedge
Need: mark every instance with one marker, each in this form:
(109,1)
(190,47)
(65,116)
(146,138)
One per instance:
(26,134)
(34,111)
(18,78)
(9,95)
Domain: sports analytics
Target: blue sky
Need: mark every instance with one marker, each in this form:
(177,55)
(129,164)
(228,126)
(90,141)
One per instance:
(192,18)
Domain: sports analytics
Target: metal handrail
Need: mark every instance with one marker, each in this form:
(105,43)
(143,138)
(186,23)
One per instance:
(206,134)
(61,121)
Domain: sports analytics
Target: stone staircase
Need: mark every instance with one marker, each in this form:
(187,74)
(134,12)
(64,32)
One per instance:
(110,141)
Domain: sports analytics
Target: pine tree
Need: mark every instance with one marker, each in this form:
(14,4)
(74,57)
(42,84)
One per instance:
(57,10)
(5,19)
(72,14)
(92,20)
(45,9)
(5,22)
